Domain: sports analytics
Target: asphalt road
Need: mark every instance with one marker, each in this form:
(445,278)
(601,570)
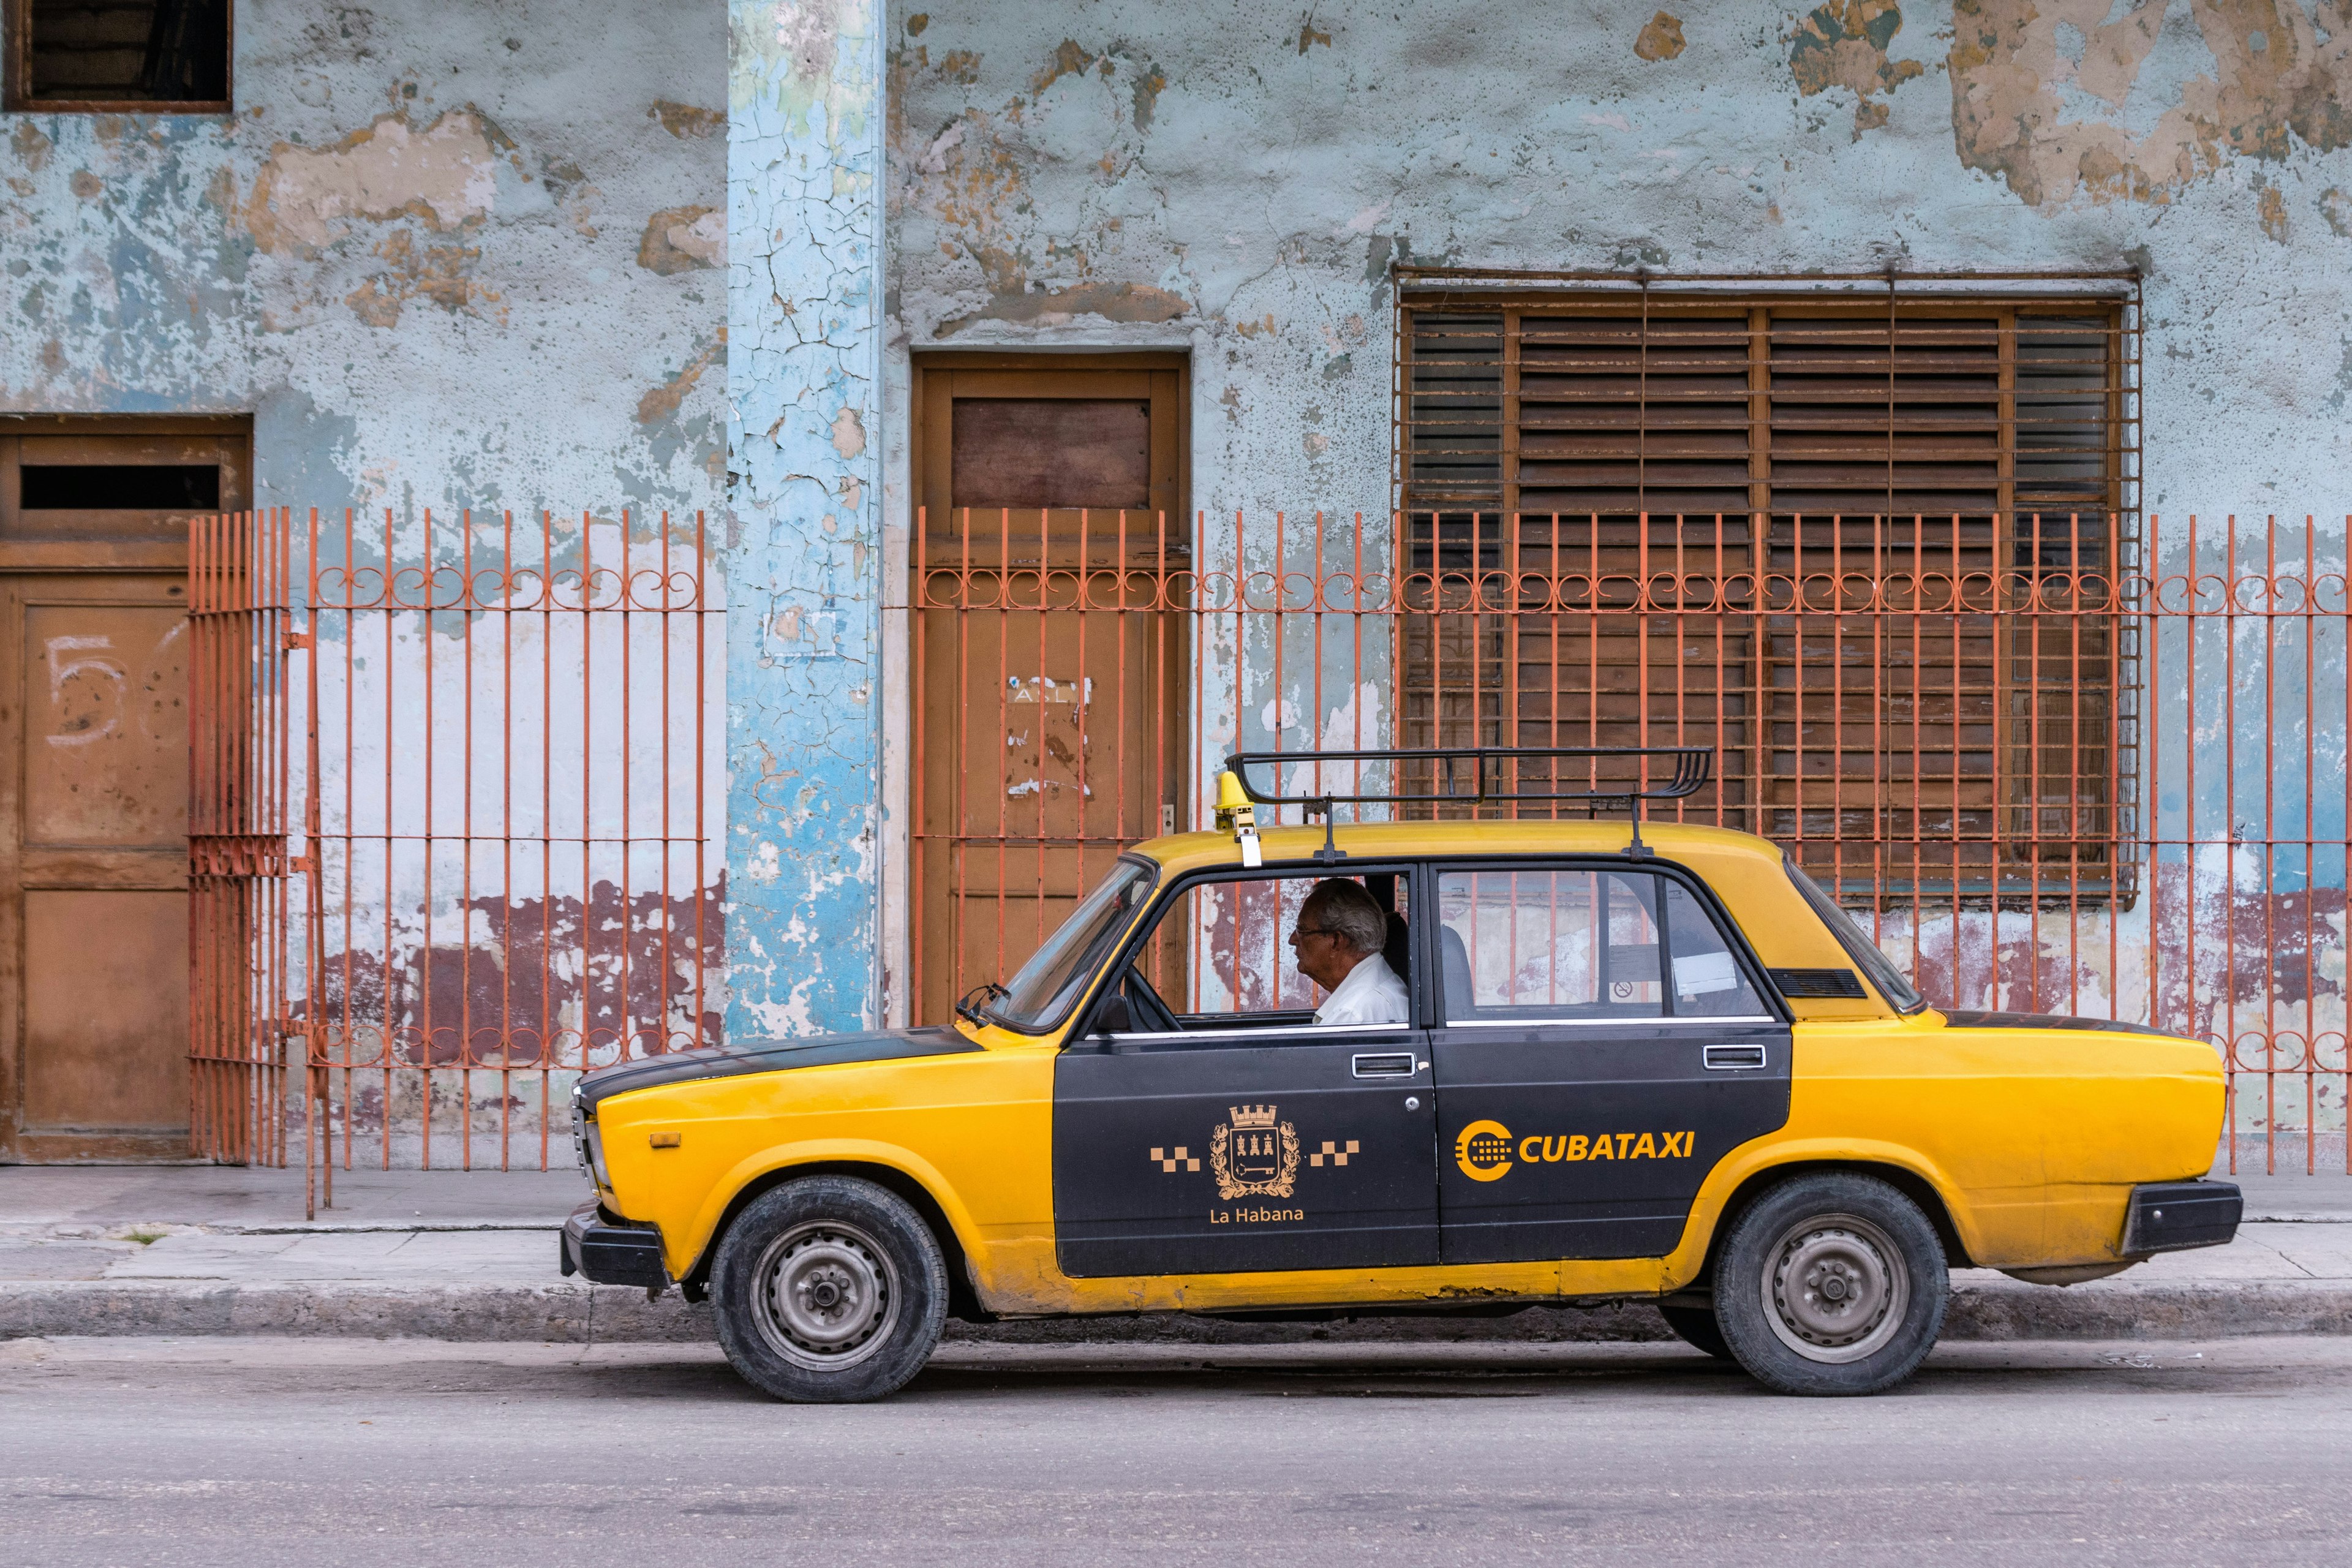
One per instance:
(323,1452)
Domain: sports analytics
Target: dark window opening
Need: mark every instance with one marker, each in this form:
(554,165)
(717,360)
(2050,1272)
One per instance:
(108,52)
(121,487)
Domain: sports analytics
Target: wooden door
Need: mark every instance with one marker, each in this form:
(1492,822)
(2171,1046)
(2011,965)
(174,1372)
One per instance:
(1048,733)
(94,782)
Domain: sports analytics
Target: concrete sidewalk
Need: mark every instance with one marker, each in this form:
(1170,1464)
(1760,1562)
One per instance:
(472,1256)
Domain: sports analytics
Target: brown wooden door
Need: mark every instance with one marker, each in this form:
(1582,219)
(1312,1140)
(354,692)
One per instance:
(1048,735)
(94,782)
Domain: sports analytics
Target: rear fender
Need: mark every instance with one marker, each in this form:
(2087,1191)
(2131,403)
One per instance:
(1747,1171)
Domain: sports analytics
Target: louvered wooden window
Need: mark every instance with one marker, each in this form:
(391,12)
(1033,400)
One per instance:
(1870,551)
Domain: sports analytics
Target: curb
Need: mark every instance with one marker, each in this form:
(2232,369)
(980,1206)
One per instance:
(570,1312)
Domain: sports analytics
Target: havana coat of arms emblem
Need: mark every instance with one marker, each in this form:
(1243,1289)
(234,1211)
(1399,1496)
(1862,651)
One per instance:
(1254,1155)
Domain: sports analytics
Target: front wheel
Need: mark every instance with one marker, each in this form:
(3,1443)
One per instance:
(1832,1284)
(829,1290)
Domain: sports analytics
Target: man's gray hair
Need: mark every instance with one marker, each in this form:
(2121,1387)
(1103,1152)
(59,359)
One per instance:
(1344,908)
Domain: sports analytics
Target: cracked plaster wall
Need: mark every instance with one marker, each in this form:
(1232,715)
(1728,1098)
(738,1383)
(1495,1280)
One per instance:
(416,254)
(803,649)
(1234,179)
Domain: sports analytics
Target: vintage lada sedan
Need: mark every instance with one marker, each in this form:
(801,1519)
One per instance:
(1407,1066)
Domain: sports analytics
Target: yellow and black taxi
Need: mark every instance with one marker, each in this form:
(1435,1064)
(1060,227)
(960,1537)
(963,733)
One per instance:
(1408,1066)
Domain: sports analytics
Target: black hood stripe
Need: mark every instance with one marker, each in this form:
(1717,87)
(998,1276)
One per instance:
(1964,1020)
(741,1056)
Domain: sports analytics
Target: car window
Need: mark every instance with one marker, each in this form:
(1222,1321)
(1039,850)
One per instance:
(1708,981)
(1865,954)
(1529,945)
(1037,997)
(1221,956)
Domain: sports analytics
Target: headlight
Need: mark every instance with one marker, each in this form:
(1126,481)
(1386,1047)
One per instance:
(592,1142)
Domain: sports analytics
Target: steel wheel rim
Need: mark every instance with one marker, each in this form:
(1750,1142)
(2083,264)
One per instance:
(825,1296)
(1837,1288)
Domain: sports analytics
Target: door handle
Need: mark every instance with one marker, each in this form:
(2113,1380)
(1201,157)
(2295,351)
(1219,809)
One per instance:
(1722,1058)
(1383,1064)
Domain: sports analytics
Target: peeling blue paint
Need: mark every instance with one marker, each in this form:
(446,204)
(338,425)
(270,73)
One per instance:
(804,569)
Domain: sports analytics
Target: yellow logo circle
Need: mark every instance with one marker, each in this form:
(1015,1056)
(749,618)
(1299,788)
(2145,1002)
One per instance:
(1484,1150)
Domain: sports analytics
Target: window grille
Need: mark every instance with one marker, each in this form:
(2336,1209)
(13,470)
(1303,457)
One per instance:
(1872,547)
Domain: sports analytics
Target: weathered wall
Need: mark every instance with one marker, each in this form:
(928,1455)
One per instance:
(444,255)
(447,256)
(1237,177)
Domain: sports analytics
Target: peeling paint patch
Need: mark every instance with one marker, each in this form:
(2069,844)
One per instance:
(2272,211)
(446,175)
(848,433)
(32,147)
(1661,40)
(2276,82)
(2336,206)
(1843,44)
(440,275)
(1145,99)
(1051,307)
(686,121)
(1069,61)
(683,240)
(661,403)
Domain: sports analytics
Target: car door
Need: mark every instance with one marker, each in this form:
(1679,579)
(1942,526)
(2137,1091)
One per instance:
(1603,1040)
(1205,1125)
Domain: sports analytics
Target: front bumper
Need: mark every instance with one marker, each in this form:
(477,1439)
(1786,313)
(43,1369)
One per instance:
(612,1251)
(2171,1216)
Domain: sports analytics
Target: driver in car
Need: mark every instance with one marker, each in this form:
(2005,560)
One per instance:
(1339,938)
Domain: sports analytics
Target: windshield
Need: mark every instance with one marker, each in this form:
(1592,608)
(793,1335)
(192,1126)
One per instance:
(1857,943)
(1034,1000)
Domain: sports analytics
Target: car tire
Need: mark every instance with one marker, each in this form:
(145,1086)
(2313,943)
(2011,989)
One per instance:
(1697,1327)
(1830,1284)
(829,1290)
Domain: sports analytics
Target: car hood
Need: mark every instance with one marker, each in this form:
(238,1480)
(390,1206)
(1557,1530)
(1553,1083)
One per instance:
(1961,1018)
(739,1057)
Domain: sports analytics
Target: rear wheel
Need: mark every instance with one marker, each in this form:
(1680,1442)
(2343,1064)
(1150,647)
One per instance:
(1697,1327)
(829,1290)
(1830,1284)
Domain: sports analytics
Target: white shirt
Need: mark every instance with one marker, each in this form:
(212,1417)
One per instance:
(1372,993)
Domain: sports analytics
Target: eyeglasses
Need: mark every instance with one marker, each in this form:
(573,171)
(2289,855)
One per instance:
(1303,932)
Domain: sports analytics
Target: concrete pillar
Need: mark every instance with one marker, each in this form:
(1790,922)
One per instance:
(801,557)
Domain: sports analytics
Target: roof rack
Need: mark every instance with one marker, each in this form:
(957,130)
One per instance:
(1692,767)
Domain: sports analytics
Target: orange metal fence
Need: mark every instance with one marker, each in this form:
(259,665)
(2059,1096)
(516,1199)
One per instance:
(505,871)
(2069,765)
(2078,765)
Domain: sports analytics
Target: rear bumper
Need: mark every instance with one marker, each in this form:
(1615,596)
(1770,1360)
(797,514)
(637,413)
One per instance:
(612,1251)
(2171,1216)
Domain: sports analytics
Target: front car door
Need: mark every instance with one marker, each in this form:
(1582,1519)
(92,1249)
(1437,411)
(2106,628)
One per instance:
(1603,1041)
(1205,1125)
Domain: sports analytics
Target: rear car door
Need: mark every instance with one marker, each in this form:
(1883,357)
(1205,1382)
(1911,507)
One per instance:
(1205,1125)
(1603,1040)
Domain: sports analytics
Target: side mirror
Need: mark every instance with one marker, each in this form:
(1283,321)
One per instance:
(1112,1016)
